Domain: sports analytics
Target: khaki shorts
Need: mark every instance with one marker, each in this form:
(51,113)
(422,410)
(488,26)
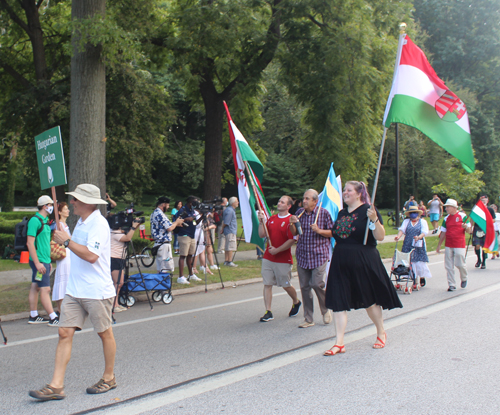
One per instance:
(276,273)
(231,242)
(74,312)
(164,260)
(187,245)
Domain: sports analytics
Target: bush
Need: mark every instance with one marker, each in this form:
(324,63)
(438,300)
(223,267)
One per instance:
(140,244)
(5,240)
(8,226)
(17,216)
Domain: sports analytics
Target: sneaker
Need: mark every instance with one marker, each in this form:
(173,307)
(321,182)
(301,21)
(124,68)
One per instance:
(54,322)
(214,267)
(268,316)
(306,324)
(193,278)
(451,288)
(119,309)
(295,309)
(463,284)
(422,282)
(483,265)
(38,320)
(182,280)
(221,251)
(327,317)
(176,252)
(478,264)
(231,264)
(202,269)
(225,263)
(102,386)
(48,393)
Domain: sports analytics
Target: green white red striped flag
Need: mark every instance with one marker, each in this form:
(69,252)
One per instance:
(421,100)
(482,217)
(249,173)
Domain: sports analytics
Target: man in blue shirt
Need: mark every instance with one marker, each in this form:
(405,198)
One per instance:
(161,232)
(187,243)
(229,230)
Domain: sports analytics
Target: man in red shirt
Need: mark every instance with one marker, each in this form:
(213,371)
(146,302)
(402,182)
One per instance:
(277,261)
(453,231)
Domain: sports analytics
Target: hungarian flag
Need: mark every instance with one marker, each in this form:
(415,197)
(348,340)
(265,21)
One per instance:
(421,100)
(249,172)
(482,217)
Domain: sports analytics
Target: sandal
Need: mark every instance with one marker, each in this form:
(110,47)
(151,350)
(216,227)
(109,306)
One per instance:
(102,386)
(48,393)
(380,344)
(332,353)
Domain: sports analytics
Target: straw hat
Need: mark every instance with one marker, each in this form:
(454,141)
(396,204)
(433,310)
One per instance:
(413,209)
(452,203)
(88,193)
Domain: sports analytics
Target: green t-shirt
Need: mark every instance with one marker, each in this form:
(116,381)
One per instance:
(42,241)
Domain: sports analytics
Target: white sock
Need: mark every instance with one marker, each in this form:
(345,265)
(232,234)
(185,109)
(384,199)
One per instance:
(33,313)
(52,316)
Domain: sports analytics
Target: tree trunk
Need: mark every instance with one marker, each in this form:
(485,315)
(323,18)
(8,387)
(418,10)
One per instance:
(214,110)
(10,181)
(87,156)
(35,34)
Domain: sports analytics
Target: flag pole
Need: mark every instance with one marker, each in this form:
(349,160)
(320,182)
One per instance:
(257,199)
(375,183)
(317,213)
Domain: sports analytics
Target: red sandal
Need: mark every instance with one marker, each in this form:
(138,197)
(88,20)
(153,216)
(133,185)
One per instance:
(332,353)
(380,344)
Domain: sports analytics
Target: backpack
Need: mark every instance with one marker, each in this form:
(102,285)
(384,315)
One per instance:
(21,233)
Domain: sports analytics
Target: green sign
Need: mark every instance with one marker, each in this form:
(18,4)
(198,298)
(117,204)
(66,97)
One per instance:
(50,156)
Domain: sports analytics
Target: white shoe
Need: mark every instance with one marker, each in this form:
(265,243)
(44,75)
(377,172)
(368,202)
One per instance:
(231,264)
(182,280)
(214,267)
(220,251)
(193,278)
(202,269)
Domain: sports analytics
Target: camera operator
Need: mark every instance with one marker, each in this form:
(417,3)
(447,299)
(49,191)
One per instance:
(161,232)
(110,205)
(187,242)
(118,252)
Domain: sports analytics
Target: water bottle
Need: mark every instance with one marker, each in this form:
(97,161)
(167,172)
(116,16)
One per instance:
(298,226)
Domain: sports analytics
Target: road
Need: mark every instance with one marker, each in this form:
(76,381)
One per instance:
(209,354)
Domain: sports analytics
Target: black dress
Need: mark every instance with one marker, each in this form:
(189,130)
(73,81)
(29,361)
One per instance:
(357,277)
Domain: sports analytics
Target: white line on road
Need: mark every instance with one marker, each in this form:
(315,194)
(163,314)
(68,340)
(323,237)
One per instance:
(197,387)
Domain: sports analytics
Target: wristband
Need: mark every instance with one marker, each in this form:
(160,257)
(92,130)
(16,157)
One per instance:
(376,220)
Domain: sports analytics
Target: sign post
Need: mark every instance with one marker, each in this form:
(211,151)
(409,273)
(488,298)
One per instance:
(51,165)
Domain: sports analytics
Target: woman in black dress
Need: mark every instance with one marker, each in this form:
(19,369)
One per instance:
(357,277)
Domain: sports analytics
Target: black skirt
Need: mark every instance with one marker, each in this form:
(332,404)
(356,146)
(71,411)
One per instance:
(358,279)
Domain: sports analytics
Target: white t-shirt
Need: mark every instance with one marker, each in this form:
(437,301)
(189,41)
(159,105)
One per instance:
(435,206)
(88,280)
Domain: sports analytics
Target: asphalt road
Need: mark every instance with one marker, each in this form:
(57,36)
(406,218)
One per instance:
(209,354)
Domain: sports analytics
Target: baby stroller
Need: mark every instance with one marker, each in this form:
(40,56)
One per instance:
(160,284)
(402,272)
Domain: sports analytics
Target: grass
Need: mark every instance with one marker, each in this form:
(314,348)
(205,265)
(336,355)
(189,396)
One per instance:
(386,250)
(11,265)
(14,298)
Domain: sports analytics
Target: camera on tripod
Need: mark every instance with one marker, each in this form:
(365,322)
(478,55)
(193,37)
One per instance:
(208,206)
(125,218)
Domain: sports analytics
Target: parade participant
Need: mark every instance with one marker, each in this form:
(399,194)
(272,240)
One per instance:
(410,202)
(496,225)
(62,265)
(177,206)
(415,229)
(220,226)
(38,243)
(435,211)
(229,229)
(357,277)
(479,236)
(312,254)
(161,232)
(277,261)
(453,230)
(187,243)
(89,291)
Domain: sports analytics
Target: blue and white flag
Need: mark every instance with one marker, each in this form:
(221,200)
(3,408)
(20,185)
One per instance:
(331,196)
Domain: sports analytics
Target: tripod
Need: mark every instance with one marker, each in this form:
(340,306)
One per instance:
(204,224)
(3,335)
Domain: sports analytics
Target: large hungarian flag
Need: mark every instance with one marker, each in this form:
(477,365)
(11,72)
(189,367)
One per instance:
(482,217)
(421,100)
(249,172)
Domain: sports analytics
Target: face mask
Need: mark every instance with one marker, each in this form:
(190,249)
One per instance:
(413,215)
(49,209)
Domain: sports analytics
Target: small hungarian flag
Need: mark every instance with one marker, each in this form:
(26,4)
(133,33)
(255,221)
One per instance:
(249,172)
(421,100)
(482,217)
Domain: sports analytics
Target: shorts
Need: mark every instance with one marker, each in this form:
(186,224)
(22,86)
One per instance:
(164,260)
(276,273)
(74,312)
(187,245)
(45,282)
(434,217)
(117,264)
(230,242)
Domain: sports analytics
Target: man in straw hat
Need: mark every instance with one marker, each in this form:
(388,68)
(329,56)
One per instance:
(453,229)
(90,291)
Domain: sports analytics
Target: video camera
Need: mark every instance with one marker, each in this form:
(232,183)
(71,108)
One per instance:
(208,206)
(125,218)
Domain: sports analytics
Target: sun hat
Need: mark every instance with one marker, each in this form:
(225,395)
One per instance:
(413,209)
(452,203)
(44,200)
(88,193)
